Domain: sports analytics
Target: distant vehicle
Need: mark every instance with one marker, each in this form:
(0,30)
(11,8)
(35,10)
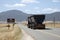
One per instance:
(10,20)
(36,22)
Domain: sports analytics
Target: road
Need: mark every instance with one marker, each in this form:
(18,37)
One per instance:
(47,34)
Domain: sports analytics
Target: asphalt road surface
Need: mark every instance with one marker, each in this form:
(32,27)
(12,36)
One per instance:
(42,34)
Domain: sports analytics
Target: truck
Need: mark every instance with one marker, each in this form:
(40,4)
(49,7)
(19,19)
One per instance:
(36,22)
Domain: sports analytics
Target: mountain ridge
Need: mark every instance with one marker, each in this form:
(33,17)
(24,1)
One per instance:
(18,15)
(21,16)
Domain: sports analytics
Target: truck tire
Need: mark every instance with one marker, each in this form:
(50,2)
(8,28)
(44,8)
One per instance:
(33,26)
(28,26)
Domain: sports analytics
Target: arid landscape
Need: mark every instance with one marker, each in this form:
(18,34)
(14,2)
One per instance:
(53,25)
(12,33)
(29,19)
(47,24)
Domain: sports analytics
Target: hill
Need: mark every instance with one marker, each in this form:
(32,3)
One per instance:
(18,15)
(53,16)
(21,16)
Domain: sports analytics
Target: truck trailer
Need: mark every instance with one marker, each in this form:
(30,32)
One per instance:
(36,22)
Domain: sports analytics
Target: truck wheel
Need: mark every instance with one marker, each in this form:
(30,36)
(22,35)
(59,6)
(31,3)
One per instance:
(44,26)
(28,26)
(33,26)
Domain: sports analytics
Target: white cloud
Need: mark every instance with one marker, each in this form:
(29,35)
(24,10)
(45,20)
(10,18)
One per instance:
(15,5)
(42,11)
(23,3)
(56,0)
(33,11)
(50,10)
(27,10)
(29,1)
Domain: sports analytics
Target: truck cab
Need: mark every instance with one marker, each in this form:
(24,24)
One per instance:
(36,22)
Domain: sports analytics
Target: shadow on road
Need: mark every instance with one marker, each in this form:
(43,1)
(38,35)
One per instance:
(47,29)
(43,29)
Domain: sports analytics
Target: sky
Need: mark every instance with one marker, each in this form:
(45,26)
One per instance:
(31,6)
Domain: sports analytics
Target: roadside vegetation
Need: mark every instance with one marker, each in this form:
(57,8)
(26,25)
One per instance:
(11,33)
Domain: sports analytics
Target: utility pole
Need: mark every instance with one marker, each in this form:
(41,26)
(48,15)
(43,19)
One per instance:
(54,22)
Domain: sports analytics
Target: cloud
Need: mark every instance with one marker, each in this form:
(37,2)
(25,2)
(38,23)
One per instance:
(27,10)
(15,5)
(29,1)
(56,0)
(32,11)
(50,10)
(23,3)
(37,10)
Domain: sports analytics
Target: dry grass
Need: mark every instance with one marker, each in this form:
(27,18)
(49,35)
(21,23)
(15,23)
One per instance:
(47,24)
(13,33)
(56,25)
(24,23)
(2,25)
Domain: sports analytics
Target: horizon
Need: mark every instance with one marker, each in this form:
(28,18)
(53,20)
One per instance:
(31,6)
(26,13)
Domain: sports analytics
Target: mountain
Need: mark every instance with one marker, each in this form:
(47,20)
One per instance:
(18,15)
(53,16)
(21,16)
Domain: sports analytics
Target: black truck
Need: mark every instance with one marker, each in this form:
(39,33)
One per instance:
(36,22)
